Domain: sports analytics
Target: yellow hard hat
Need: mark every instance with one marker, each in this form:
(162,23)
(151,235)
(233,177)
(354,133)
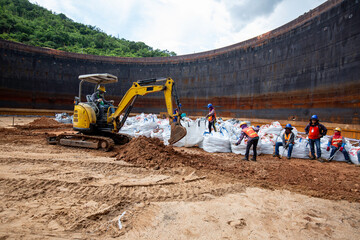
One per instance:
(101,88)
(337,129)
(243,123)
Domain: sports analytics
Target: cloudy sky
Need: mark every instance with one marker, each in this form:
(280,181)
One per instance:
(183,26)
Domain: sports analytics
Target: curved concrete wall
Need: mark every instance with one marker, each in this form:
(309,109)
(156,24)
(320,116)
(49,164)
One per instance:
(309,66)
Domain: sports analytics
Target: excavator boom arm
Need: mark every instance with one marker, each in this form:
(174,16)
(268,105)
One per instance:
(141,88)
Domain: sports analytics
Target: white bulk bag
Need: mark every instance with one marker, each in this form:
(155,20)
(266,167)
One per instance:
(216,142)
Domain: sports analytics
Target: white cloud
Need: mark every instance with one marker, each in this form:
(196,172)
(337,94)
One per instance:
(185,26)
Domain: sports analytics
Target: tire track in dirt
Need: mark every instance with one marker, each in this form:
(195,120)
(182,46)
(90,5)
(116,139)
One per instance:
(117,196)
(19,189)
(60,162)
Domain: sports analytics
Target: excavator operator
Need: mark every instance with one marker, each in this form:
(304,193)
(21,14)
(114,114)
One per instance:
(98,98)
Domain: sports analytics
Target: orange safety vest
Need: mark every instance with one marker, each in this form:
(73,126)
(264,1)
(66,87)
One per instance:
(336,142)
(314,132)
(212,118)
(250,132)
(287,137)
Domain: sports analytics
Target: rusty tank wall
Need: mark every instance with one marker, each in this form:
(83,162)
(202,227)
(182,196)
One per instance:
(309,66)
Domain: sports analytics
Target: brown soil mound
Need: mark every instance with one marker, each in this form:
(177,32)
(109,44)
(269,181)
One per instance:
(335,180)
(151,152)
(43,122)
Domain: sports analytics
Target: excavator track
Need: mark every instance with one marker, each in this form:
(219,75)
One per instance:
(82,140)
(119,139)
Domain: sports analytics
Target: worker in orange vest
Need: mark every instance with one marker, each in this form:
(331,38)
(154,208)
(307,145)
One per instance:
(288,141)
(315,131)
(253,138)
(337,143)
(211,117)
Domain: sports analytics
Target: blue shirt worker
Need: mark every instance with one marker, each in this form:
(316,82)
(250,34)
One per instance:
(337,143)
(288,141)
(253,138)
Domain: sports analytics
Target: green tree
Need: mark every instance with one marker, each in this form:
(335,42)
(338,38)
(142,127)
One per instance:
(32,24)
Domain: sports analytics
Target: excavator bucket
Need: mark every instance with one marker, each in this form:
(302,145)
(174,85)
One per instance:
(177,132)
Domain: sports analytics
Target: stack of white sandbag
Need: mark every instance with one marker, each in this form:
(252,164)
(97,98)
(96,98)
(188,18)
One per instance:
(228,133)
(216,142)
(353,154)
(141,125)
(63,118)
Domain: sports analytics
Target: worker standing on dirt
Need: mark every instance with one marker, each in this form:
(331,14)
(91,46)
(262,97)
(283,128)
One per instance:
(358,154)
(288,141)
(315,131)
(337,143)
(211,117)
(252,139)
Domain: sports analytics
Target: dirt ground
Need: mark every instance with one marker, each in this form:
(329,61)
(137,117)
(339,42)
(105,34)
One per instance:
(158,192)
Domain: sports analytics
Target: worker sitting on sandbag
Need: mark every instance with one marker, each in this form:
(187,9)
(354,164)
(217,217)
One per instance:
(337,143)
(288,141)
(253,138)
(315,131)
(211,117)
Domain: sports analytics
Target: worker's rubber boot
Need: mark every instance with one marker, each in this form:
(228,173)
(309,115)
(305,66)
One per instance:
(245,159)
(289,158)
(276,155)
(253,159)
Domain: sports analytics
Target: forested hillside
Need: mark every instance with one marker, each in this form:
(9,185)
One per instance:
(28,23)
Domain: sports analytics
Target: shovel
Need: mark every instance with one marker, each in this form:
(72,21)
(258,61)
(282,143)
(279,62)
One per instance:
(285,147)
(330,159)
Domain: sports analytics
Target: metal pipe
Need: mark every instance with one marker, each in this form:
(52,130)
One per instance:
(80,88)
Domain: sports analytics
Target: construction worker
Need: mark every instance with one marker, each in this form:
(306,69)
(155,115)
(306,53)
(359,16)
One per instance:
(315,131)
(358,154)
(252,137)
(98,98)
(98,95)
(211,117)
(176,112)
(288,141)
(337,143)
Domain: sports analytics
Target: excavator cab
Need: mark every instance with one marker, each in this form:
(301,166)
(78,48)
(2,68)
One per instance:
(90,116)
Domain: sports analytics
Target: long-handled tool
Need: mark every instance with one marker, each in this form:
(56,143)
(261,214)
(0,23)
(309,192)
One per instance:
(330,159)
(285,147)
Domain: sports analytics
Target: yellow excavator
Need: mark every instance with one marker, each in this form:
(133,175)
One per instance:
(98,126)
